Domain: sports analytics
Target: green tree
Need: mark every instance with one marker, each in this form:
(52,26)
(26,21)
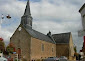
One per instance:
(10,48)
(75,49)
(2,45)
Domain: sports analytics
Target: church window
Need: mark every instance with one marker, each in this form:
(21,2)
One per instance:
(42,47)
(52,49)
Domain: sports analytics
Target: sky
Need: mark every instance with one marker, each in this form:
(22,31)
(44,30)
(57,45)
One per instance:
(57,16)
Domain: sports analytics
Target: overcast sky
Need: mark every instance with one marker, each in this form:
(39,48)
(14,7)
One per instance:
(58,16)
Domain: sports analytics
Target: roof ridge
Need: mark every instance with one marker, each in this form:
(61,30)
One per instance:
(38,32)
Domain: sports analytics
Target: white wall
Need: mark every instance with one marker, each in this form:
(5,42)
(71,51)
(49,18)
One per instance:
(83,17)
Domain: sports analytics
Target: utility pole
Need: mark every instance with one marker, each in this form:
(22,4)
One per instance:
(2,17)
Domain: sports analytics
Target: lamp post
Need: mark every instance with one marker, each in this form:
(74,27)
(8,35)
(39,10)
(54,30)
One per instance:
(2,18)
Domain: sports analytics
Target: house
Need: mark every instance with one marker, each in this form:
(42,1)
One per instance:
(82,12)
(32,45)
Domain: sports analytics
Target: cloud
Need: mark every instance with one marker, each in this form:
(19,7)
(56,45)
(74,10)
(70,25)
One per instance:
(57,16)
(5,34)
(15,9)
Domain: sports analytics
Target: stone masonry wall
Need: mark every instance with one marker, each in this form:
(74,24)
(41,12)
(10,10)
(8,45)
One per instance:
(36,49)
(62,50)
(21,39)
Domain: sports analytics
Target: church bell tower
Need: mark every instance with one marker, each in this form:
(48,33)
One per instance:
(26,19)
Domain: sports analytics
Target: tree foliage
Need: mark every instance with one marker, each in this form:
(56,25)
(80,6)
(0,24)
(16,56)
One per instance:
(1,39)
(75,49)
(10,48)
(2,45)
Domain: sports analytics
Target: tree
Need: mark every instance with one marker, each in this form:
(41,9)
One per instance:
(2,45)
(1,39)
(75,49)
(10,48)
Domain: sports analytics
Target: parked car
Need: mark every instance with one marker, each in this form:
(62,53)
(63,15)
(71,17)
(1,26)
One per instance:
(63,58)
(52,59)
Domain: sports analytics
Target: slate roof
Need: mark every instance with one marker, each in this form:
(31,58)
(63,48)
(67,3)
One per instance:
(62,38)
(39,35)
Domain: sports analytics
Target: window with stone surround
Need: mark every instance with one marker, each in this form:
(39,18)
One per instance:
(42,47)
(52,49)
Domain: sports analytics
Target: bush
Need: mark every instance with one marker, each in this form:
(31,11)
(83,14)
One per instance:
(15,60)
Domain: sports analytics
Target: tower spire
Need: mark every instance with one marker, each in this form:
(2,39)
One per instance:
(27,9)
(26,19)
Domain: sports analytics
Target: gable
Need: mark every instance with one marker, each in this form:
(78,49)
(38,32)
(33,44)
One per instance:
(17,31)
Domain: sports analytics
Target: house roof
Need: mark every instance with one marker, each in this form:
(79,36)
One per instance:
(62,38)
(39,35)
(82,7)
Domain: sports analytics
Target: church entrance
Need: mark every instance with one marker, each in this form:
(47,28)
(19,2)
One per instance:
(19,53)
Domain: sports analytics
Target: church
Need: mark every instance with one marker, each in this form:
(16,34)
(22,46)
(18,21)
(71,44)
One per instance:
(33,45)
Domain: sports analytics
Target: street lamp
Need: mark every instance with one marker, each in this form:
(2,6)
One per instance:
(2,18)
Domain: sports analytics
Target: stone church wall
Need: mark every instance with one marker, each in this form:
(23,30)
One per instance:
(21,39)
(62,50)
(36,49)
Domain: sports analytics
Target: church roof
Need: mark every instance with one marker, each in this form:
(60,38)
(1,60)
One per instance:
(62,38)
(39,35)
